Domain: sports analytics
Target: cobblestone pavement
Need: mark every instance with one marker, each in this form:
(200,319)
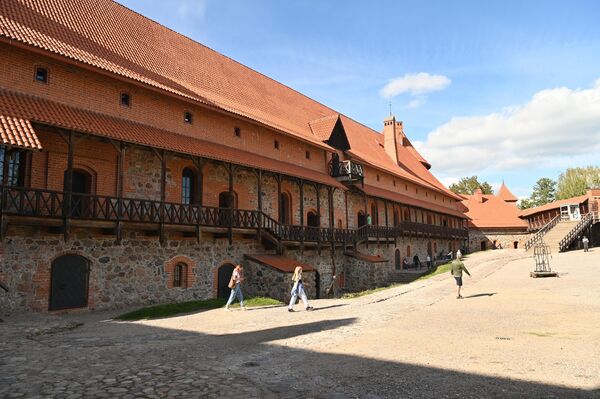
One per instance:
(412,341)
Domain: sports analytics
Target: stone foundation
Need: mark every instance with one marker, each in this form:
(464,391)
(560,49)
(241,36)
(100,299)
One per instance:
(501,239)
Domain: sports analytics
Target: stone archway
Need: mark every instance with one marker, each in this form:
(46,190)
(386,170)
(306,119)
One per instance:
(69,282)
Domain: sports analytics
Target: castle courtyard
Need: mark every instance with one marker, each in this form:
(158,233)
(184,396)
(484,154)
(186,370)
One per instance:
(512,336)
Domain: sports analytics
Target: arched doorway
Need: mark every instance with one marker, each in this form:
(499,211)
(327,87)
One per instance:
(361,219)
(374,215)
(81,184)
(69,278)
(223,276)
(312,219)
(397,260)
(285,209)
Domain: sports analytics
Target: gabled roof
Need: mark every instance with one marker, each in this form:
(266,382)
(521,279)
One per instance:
(492,212)
(554,205)
(505,194)
(322,127)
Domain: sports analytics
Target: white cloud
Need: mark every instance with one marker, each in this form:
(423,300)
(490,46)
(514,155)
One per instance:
(415,84)
(556,126)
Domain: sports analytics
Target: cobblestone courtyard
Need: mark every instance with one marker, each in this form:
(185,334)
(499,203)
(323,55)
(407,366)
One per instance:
(512,336)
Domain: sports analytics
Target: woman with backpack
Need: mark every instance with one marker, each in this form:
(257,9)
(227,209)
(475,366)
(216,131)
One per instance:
(235,283)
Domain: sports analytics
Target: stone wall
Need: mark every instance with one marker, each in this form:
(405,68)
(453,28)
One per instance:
(140,270)
(503,239)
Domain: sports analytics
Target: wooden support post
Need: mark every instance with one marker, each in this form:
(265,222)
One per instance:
(163,185)
(199,164)
(231,204)
(279,198)
(68,197)
(346,206)
(259,202)
(318,189)
(120,176)
(330,207)
(4,193)
(301,202)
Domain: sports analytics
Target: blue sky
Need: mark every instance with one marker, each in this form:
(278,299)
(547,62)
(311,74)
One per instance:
(503,90)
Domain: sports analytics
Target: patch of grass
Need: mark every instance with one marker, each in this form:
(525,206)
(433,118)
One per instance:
(443,268)
(350,295)
(172,309)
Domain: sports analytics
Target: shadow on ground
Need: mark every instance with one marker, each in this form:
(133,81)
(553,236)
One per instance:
(191,363)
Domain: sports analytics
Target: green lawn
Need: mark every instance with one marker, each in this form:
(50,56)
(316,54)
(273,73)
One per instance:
(172,309)
(444,268)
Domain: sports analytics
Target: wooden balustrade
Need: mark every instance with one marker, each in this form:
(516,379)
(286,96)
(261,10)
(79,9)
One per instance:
(54,204)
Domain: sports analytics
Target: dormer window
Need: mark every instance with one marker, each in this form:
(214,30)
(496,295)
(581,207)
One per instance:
(187,117)
(41,75)
(125,99)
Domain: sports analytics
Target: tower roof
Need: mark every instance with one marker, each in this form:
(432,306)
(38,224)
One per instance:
(505,194)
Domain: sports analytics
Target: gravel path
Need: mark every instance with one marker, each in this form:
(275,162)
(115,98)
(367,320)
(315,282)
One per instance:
(512,336)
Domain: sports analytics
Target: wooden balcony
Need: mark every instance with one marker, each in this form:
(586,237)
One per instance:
(48,204)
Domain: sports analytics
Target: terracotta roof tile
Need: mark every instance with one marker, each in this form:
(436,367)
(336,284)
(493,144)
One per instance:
(47,112)
(365,257)
(18,132)
(554,205)
(404,199)
(505,194)
(280,263)
(493,212)
(323,127)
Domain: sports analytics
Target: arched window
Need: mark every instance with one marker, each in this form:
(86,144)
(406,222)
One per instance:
(188,187)
(180,275)
(312,219)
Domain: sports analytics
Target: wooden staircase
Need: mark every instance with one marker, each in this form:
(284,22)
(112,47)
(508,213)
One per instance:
(557,233)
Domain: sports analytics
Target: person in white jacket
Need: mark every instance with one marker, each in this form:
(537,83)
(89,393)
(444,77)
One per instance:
(298,290)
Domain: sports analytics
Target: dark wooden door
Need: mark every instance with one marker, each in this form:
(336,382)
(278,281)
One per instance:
(397,260)
(361,219)
(224,276)
(69,282)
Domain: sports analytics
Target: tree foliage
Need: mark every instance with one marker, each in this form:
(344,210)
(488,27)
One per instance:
(468,185)
(543,193)
(576,181)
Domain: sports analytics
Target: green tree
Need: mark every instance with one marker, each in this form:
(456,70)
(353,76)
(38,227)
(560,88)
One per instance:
(544,191)
(575,181)
(468,185)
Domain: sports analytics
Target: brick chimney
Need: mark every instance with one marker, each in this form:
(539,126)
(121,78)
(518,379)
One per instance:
(478,194)
(392,132)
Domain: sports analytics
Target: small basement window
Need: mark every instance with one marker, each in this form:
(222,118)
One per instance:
(238,132)
(41,75)
(187,117)
(276,144)
(125,99)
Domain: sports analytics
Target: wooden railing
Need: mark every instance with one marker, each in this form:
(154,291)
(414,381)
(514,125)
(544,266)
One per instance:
(53,204)
(537,237)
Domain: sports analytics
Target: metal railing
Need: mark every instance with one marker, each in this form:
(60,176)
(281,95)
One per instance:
(537,237)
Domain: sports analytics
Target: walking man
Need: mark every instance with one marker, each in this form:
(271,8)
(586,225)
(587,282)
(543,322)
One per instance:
(586,243)
(298,290)
(456,269)
(235,283)
(429,265)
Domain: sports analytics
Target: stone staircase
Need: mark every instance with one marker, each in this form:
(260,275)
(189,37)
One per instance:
(405,276)
(557,233)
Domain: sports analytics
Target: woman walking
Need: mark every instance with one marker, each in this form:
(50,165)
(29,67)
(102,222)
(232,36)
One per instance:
(235,283)
(298,290)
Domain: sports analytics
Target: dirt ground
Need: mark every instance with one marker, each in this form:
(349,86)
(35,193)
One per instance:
(512,336)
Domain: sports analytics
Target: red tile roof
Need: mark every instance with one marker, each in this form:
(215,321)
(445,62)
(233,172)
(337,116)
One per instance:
(404,199)
(280,263)
(505,194)
(492,212)
(18,132)
(106,35)
(553,205)
(48,112)
(365,257)
(109,36)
